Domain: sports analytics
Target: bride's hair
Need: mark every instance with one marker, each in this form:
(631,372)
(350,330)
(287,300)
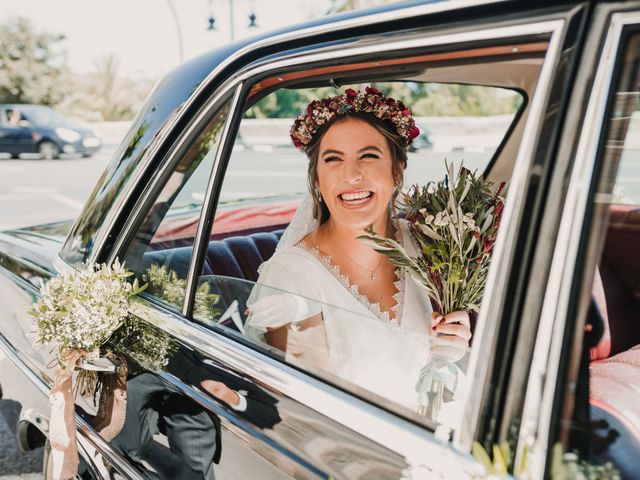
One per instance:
(397,147)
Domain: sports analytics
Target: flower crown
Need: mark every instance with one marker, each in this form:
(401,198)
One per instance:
(325,110)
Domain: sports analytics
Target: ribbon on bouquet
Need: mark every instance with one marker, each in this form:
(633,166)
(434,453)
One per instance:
(113,401)
(434,376)
(62,424)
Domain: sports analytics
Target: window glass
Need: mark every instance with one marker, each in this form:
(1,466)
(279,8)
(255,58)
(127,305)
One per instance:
(282,307)
(606,417)
(162,247)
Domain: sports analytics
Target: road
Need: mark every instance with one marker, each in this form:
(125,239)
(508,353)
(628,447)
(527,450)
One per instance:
(31,192)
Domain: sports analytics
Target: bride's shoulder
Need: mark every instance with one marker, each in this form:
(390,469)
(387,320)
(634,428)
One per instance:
(292,258)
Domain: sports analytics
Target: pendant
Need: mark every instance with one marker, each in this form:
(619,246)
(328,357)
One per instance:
(373,275)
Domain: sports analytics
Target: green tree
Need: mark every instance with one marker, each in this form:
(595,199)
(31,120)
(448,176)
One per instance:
(32,64)
(104,94)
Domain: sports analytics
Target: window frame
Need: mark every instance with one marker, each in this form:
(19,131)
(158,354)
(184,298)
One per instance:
(558,342)
(389,429)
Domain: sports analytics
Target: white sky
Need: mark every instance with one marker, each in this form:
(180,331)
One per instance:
(143,32)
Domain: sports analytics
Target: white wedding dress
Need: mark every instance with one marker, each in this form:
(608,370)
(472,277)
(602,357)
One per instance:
(355,341)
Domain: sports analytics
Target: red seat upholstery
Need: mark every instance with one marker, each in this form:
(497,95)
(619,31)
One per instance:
(615,387)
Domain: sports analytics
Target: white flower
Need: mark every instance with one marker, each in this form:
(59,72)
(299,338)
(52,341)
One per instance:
(441,220)
(431,188)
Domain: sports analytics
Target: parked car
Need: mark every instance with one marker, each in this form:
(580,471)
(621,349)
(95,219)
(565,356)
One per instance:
(38,129)
(553,365)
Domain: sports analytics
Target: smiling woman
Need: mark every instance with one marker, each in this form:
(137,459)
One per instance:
(356,143)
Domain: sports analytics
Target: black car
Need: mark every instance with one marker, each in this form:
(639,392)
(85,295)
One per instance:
(38,129)
(554,364)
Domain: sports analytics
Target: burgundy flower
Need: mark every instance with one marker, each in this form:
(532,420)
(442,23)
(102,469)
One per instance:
(372,90)
(476,235)
(310,108)
(413,132)
(406,112)
(488,245)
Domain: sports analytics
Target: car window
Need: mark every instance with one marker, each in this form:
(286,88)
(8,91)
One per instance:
(264,183)
(606,415)
(161,249)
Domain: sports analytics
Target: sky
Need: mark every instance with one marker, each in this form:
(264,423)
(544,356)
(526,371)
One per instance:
(143,33)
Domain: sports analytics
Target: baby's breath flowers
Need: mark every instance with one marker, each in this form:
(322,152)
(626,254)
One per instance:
(455,223)
(81,309)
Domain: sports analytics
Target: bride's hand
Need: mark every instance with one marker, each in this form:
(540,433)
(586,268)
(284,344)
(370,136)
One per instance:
(453,334)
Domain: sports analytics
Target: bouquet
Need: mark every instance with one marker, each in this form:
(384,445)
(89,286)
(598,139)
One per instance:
(84,314)
(454,223)
(80,311)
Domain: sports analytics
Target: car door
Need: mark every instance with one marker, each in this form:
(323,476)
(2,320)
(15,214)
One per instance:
(582,393)
(311,424)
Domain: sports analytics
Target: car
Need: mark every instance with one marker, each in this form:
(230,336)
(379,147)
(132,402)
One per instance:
(553,369)
(37,129)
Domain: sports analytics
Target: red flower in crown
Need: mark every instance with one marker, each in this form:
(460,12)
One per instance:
(323,111)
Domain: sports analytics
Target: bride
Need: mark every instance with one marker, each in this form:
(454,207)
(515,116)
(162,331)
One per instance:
(353,313)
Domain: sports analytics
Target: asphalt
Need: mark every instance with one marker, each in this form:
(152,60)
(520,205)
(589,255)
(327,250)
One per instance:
(14,463)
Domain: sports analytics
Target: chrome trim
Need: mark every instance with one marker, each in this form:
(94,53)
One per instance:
(399,45)
(485,335)
(417,445)
(206,215)
(538,406)
(83,428)
(103,233)
(347,24)
(35,417)
(193,126)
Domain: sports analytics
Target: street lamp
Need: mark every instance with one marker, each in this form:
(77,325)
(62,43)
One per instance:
(176,20)
(212,19)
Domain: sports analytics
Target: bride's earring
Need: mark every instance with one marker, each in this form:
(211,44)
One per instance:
(319,196)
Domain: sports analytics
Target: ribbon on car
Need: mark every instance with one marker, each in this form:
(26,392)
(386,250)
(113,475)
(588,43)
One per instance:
(108,421)
(62,426)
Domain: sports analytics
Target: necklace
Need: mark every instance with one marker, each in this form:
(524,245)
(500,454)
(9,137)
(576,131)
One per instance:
(371,272)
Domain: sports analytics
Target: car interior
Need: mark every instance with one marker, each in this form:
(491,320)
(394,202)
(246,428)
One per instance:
(245,234)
